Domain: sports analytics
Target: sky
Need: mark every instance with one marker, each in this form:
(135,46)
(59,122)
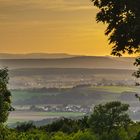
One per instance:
(51,26)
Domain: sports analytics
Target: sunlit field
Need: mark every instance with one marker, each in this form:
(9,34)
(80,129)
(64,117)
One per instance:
(25,116)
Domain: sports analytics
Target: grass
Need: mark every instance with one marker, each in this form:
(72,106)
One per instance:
(27,116)
(23,95)
(117,89)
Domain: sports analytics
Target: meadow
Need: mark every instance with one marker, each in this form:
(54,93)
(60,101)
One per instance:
(26,116)
(78,95)
(88,95)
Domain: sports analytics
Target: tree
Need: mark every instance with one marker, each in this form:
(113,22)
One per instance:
(137,137)
(25,126)
(123,20)
(5,101)
(109,117)
(119,134)
(86,135)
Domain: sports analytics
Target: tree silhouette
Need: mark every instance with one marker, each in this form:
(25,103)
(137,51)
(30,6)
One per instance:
(123,20)
(123,26)
(5,101)
(109,117)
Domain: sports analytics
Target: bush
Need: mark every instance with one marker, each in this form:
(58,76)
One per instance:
(65,125)
(84,136)
(115,135)
(137,137)
(24,127)
(61,136)
(10,134)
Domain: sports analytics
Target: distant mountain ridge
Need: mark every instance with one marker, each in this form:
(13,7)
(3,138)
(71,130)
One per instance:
(35,56)
(91,62)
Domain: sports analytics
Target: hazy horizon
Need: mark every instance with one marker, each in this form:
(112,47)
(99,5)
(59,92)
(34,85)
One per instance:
(61,53)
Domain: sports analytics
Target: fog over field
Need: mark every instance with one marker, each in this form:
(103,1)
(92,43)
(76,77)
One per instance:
(63,70)
(71,62)
(68,83)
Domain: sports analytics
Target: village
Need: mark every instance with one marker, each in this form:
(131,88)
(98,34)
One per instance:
(56,108)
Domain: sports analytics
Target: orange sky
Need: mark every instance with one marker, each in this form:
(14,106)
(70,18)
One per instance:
(51,26)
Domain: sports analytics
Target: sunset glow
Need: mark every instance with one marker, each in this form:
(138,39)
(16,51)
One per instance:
(51,27)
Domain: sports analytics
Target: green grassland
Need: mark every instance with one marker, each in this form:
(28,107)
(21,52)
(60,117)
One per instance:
(24,116)
(117,89)
(78,95)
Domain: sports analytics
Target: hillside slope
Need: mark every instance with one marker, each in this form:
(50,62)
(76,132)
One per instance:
(74,62)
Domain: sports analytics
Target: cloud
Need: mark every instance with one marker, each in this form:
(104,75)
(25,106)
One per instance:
(21,5)
(43,10)
(42,25)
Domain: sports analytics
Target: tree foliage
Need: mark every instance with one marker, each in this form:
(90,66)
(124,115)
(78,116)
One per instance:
(109,117)
(123,24)
(5,101)
(24,127)
(67,125)
(102,116)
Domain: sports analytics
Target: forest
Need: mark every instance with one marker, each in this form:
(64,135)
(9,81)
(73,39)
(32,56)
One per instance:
(107,122)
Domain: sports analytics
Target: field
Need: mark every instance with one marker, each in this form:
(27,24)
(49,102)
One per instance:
(25,116)
(79,95)
(118,89)
(88,95)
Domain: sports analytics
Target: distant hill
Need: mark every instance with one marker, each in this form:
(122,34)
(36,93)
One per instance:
(35,56)
(29,72)
(72,62)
